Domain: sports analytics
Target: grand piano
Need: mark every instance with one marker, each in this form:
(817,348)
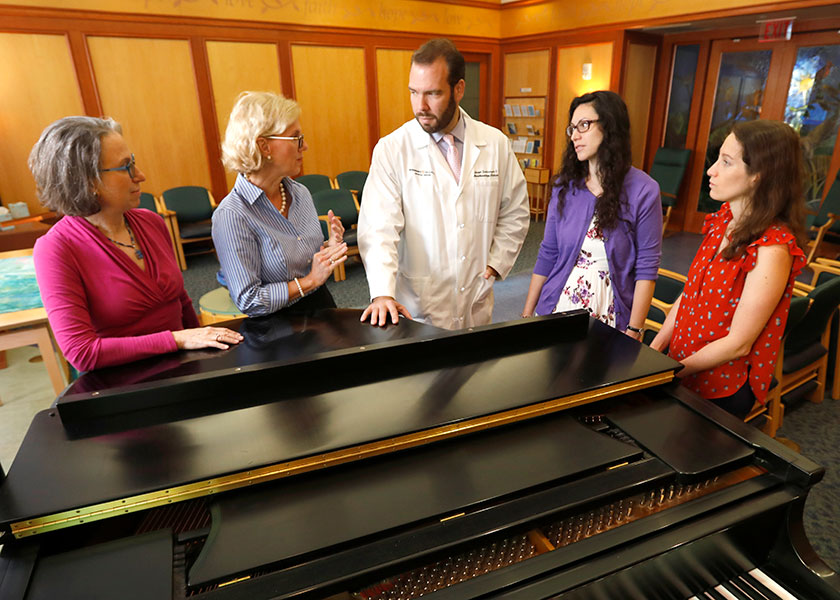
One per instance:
(326,459)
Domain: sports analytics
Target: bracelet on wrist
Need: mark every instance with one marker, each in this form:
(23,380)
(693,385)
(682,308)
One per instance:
(636,329)
(299,287)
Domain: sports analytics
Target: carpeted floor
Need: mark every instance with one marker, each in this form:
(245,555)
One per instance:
(815,427)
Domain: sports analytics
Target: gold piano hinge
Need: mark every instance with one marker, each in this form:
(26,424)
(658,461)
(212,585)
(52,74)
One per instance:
(624,464)
(461,514)
(237,580)
(242,479)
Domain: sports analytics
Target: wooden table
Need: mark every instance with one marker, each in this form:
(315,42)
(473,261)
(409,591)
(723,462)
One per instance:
(22,236)
(537,178)
(30,326)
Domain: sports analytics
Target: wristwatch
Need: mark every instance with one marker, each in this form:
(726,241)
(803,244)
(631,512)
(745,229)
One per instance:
(636,329)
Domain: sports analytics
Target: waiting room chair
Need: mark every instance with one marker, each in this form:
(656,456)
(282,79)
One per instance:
(343,205)
(217,306)
(824,227)
(353,181)
(823,269)
(804,355)
(149,202)
(669,286)
(192,207)
(668,169)
(773,410)
(315,183)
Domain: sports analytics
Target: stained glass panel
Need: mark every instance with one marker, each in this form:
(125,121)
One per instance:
(682,88)
(813,110)
(740,93)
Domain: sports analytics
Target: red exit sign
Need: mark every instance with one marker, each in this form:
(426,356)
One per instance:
(777,30)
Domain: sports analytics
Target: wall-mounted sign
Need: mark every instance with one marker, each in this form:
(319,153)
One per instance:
(524,90)
(776,30)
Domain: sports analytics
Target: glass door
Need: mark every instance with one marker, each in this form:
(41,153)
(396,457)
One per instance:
(796,81)
(813,110)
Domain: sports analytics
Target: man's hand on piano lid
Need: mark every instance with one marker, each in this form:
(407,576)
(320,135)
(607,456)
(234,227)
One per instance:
(206,337)
(381,307)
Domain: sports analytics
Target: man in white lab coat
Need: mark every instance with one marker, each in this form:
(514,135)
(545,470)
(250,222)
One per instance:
(445,207)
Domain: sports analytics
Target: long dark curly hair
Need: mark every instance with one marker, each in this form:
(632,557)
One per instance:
(614,157)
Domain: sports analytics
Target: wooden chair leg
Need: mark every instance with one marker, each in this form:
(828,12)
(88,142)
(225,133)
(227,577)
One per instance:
(665,219)
(50,360)
(818,395)
(835,384)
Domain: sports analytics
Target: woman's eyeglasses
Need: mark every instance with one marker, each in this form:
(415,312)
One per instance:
(129,168)
(299,139)
(582,126)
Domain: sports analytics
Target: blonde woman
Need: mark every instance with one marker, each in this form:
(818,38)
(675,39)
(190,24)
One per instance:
(266,230)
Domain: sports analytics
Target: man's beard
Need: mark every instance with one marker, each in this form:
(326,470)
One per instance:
(444,119)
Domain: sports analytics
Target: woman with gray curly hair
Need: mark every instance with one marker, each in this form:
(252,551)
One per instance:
(106,271)
(266,231)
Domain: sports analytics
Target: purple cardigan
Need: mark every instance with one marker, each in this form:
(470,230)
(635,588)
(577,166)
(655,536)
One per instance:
(633,247)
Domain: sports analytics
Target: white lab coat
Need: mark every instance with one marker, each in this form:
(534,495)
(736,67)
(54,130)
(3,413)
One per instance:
(425,239)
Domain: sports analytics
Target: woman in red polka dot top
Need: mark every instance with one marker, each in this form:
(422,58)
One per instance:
(727,324)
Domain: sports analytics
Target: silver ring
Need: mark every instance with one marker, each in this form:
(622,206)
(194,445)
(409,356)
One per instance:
(218,336)
(332,262)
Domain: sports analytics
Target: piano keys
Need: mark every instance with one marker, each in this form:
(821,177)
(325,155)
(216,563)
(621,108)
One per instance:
(550,458)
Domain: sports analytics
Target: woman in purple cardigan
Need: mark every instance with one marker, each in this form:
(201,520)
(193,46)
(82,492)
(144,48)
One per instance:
(603,233)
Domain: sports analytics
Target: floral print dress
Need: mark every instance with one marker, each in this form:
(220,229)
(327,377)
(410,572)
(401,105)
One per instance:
(588,285)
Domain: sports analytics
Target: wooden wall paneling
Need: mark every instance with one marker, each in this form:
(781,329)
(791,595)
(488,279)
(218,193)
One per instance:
(330,84)
(234,68)
(551,123)
(373,97)
(287,78)
(84,73)
(637,90)
(571,84)
(212,135)
(29,103)
(392,67)
(157,106)
(526,71)
(618,55)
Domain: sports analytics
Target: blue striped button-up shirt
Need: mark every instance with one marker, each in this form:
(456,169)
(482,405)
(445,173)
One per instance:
(259,249)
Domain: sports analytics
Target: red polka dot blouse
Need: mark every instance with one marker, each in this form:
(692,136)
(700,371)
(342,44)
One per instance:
(708,304)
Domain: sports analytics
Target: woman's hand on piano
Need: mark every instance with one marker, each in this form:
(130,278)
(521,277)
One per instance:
(206,337)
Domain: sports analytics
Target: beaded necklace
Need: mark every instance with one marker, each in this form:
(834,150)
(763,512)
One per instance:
(137,251)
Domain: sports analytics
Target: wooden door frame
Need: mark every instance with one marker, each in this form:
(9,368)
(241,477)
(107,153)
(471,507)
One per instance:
(483,60)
